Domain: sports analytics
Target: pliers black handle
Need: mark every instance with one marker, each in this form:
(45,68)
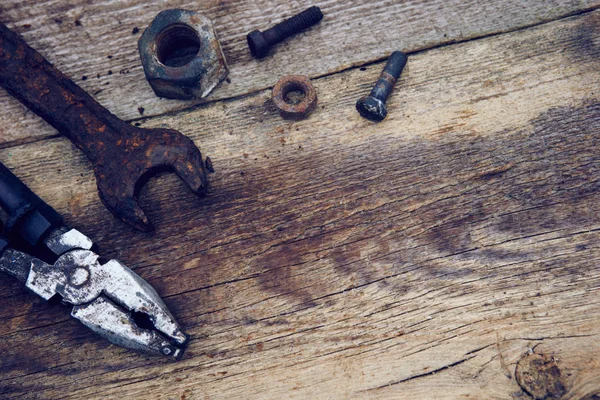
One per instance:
(28,216)
(106,297)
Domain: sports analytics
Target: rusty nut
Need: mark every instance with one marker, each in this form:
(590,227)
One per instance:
(181,55)
(294,83)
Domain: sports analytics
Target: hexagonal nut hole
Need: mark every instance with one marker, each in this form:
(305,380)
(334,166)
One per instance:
(181,55)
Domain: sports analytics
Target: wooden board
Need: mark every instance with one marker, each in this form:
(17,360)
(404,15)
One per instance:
(95,41)
(423,257)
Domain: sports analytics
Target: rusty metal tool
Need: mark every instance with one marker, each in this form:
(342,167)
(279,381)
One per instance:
(123,156)
(108,298)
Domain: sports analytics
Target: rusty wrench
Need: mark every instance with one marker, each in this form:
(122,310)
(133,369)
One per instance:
(123,156)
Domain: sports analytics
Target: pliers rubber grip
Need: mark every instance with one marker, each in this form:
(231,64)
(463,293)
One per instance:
(106,297)
(28,215)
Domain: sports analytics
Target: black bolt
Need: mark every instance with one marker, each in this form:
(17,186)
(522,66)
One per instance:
(373,106)
(261,42)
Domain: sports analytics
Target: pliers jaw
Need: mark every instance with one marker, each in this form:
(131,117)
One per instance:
(105,297)
(110,321)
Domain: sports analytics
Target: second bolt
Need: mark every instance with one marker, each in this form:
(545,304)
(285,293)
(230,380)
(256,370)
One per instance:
(260,42)
(373,106)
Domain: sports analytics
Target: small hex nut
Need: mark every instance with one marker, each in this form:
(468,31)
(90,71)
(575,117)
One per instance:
(181,55)
(292,83)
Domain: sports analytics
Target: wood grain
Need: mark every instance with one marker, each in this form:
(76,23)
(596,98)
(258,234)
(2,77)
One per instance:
(422,257)
(95,41)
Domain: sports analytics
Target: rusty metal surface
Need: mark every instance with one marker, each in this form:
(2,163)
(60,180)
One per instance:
(294,83)
(122,155)
(200,65)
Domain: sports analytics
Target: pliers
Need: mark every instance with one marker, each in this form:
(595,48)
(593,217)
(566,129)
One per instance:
(107,298)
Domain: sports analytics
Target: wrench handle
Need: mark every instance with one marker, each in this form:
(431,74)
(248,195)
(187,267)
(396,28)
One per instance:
(36,83)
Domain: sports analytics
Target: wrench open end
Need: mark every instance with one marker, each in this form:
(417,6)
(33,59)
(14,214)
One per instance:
(149,152)
(127,210)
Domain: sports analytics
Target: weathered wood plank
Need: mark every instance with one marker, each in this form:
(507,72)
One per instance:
(335,258)
(94,40)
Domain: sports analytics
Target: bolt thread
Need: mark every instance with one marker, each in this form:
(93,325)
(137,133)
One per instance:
(293,25)
(395,64)
(390,74)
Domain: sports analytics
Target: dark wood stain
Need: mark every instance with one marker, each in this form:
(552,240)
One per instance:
(540,377)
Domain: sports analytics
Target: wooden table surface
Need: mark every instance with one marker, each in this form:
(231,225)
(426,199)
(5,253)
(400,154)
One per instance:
(451,251)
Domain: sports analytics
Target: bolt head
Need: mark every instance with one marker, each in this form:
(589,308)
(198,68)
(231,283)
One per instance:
(371,108)
(257,43)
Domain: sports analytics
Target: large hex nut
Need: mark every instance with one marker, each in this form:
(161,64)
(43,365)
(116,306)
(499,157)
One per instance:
(181,55)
